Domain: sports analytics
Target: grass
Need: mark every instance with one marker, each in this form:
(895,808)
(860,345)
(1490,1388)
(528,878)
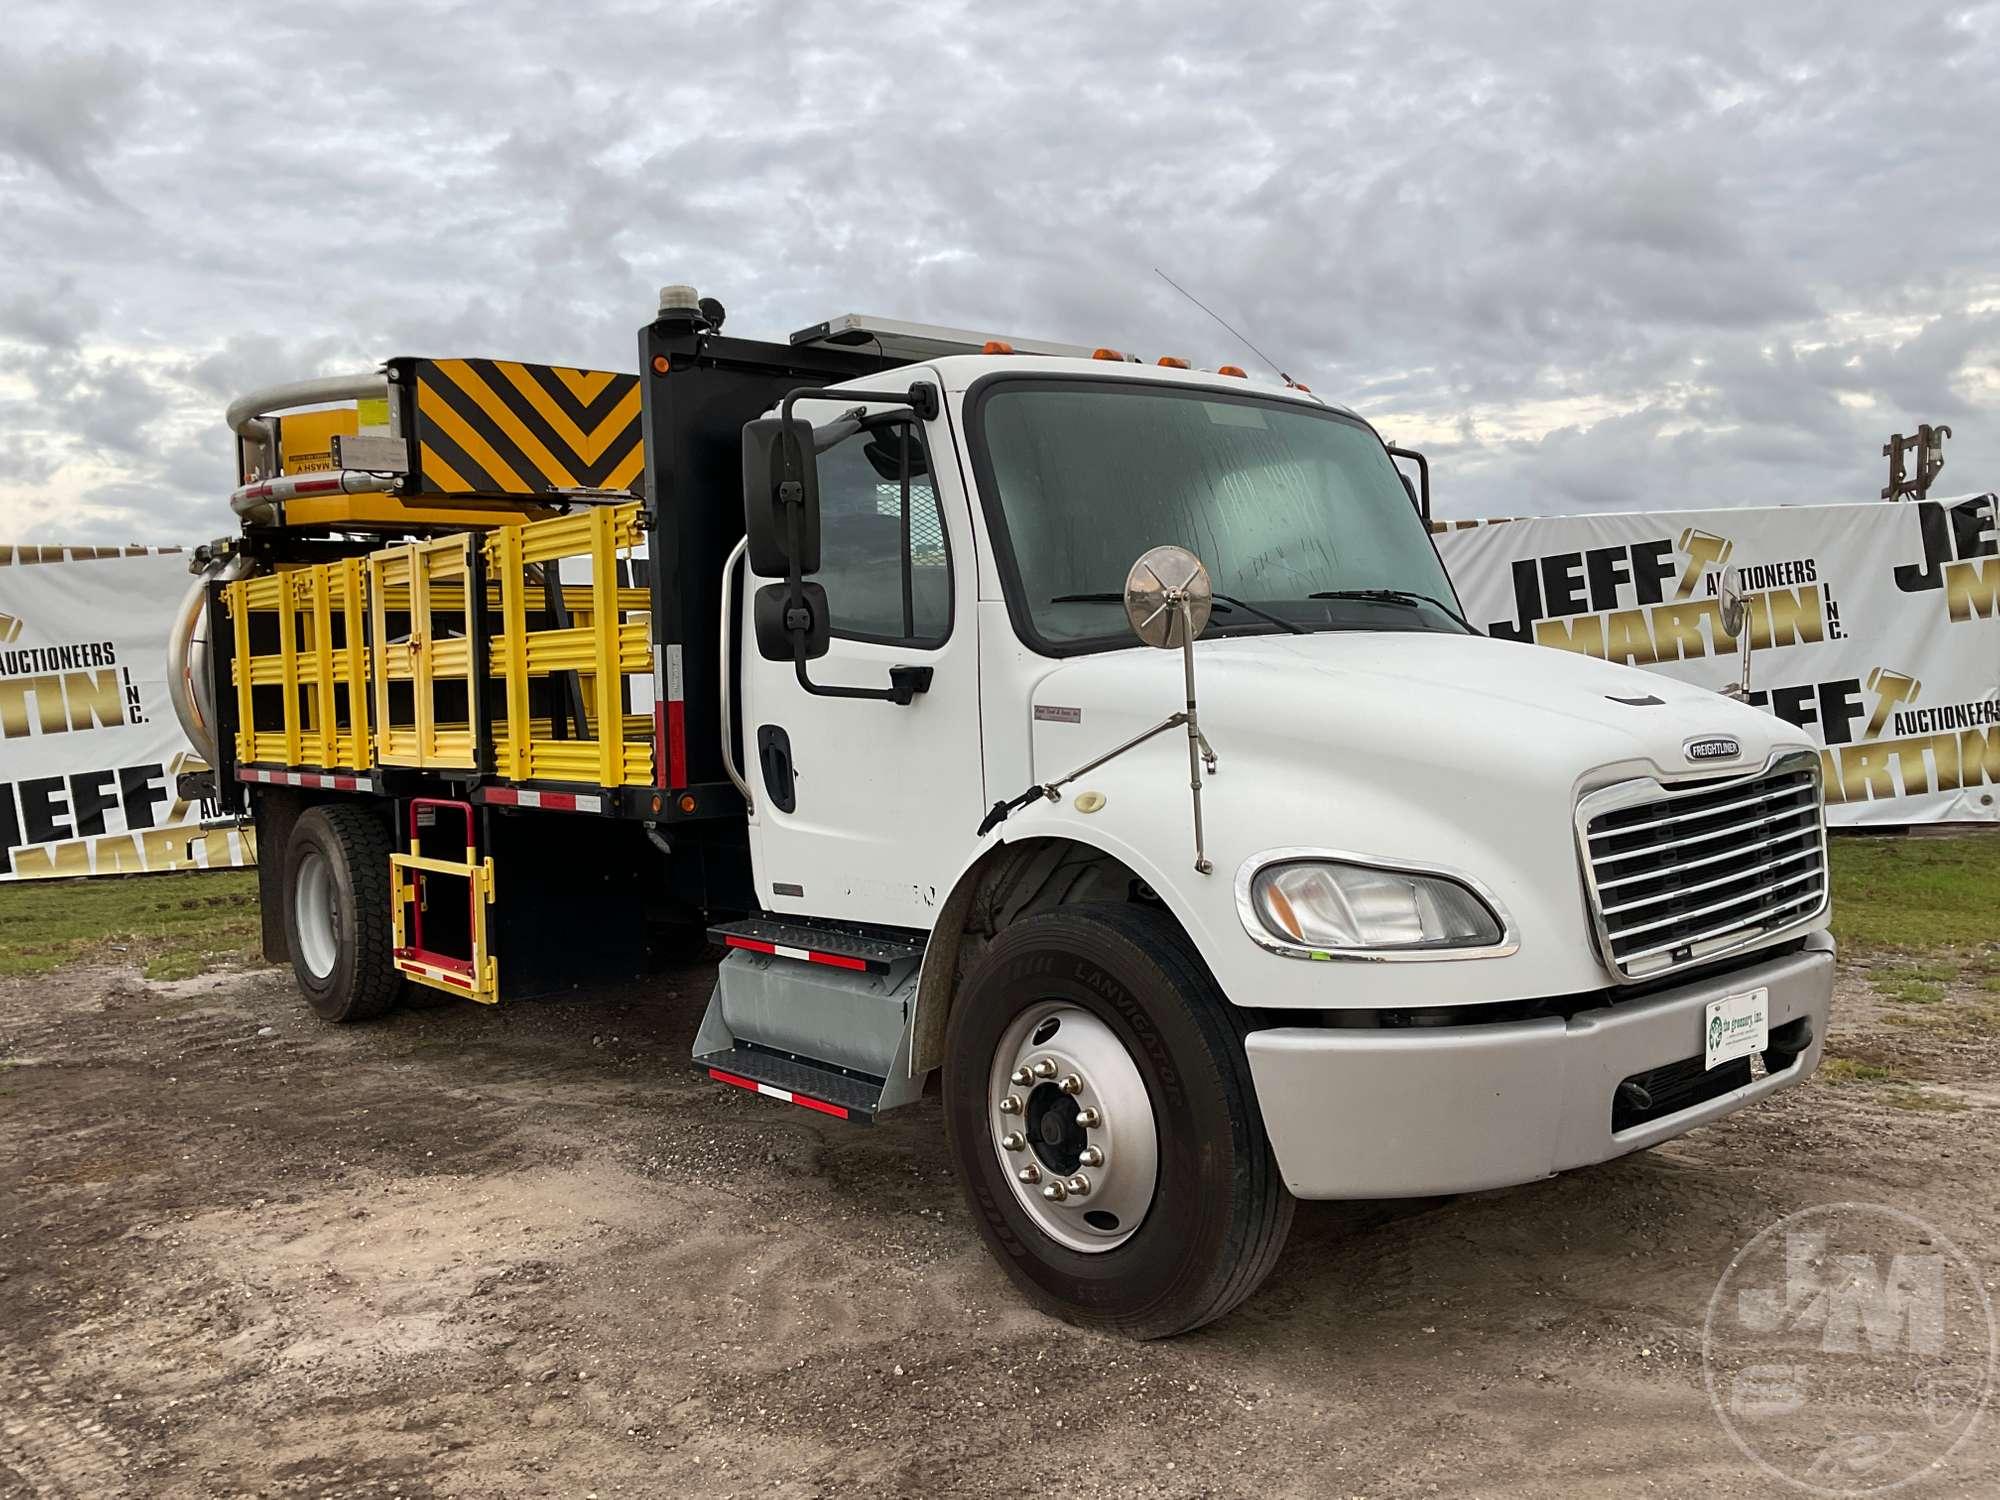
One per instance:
(1851,1070)
(1916,895)
(176,926)
(1887,1085)
(1901,989)
(1924,1102)
(1918,914)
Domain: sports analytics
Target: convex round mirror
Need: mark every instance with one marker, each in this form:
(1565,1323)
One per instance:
(1161,582)
(1734,606)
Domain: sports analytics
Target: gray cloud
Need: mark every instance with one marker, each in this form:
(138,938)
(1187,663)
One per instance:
(60,111)
(1590,257)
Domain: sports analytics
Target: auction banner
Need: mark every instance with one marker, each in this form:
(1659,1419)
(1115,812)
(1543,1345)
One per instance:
(1875,628)
(89,746)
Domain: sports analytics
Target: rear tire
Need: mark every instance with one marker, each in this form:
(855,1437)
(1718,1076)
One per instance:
(1140,1028)
(337,919)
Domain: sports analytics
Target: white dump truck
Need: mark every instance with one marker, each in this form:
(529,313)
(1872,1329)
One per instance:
(1101,740)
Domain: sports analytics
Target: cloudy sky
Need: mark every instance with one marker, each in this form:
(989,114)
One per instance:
(1590,256)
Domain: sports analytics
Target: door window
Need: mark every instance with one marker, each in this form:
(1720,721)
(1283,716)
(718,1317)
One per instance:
(884,580)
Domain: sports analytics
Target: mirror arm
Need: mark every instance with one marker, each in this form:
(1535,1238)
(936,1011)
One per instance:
(1199,754)
(1423,477)
(921,398)
(904,682)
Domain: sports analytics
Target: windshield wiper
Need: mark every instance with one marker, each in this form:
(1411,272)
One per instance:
(1224,603)
(1397,596)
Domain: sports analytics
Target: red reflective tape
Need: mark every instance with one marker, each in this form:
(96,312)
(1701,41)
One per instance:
(559,801)
(504,796)
(751,943)
(839,960)
(677,750)
(721,1077)
(821,1105)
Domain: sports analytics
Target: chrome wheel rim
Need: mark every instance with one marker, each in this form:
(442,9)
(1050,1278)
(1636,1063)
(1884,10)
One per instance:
(1072,1125)
(314,908)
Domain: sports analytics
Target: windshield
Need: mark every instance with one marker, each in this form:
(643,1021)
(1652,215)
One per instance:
(1282,501)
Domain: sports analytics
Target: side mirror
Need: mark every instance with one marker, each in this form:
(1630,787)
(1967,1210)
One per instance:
(1735,608)
(781,500)
(1733,605)
(771,613)
(1168,598)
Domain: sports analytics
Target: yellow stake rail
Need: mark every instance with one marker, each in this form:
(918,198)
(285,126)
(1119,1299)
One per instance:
(369,662)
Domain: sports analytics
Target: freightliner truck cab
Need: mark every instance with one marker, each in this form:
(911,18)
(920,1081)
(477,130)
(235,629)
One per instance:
(1333,897)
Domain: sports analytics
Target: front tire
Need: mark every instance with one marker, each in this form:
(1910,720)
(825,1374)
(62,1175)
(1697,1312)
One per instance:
(1125,1068)
(337,919)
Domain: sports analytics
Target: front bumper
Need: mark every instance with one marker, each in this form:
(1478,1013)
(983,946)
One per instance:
(1415,1111)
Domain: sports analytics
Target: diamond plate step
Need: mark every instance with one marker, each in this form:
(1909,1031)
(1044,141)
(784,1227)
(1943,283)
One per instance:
(794,1081)
(810,943)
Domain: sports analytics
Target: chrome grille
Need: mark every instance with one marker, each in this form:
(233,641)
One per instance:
(1682,873)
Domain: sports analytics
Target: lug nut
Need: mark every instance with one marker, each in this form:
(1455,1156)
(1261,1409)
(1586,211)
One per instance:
(1089,1118)
(1091,1157)
(1023,1077)
(1071,1084)
(1079,1184)
(1013,1140)
(1055,1192)
(1044,1069)
(1010,1105)
(1030,1173)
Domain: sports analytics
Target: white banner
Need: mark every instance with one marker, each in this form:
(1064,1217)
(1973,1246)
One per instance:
(89,747)
(1876,628)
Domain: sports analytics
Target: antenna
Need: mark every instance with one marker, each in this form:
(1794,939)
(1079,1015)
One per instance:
(1233,332)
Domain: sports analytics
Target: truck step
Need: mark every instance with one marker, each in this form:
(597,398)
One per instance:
(795,1081)
(810,943)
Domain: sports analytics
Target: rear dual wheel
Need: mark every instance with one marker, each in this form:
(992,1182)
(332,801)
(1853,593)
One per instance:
(337,919)
(1102,1119)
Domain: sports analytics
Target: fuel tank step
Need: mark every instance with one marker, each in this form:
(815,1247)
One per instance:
(845,1096)
(840,948)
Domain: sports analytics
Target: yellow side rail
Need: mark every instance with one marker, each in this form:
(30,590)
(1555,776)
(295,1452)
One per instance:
(300,666)
(370,661)
(417,611)
(600,644)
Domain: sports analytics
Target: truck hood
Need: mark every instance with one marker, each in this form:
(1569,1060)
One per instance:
(1448,752)
(1450,703)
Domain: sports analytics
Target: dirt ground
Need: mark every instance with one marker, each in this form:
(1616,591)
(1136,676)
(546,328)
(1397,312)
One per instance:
(528,1251)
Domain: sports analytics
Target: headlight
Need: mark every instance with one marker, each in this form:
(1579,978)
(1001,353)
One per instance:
(1331,906)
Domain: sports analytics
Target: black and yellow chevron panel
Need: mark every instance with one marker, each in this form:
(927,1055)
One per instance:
(497,427)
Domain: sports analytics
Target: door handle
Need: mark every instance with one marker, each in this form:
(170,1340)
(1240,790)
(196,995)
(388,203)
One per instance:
(774,757)
(727,676)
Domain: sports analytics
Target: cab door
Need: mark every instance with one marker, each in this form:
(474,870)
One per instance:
(864,808)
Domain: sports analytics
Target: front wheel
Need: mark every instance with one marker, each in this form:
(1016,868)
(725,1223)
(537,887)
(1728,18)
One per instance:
(1102,1120)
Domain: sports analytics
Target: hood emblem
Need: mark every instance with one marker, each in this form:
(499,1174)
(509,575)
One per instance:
(1712,747)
